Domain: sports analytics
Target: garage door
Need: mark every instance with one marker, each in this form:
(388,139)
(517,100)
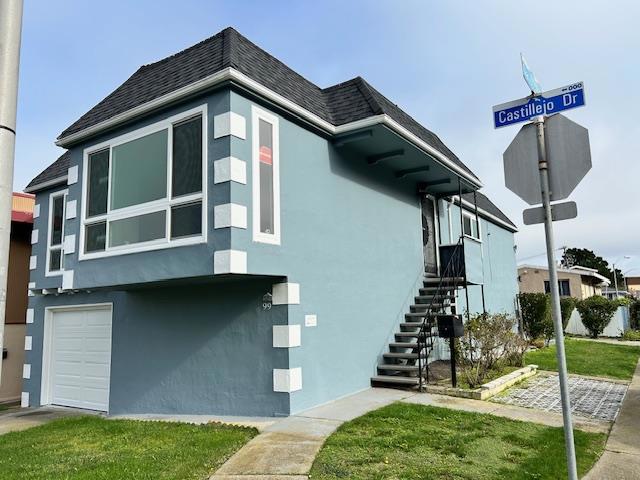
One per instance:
(80,358)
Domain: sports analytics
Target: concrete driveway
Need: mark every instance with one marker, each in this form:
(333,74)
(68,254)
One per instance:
(16,419)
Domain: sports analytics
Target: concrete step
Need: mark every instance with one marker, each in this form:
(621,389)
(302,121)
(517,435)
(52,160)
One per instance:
(434,282)
(435,290)
(429,298)
(416,324)
(406,334)
(421,307)
(398,368)
(396,380)
(403,344)
(401,356)
(411,315)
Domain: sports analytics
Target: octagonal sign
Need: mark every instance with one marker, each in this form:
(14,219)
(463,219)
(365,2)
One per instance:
(568,158)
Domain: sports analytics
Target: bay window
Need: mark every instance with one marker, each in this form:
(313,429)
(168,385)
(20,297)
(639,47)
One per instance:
(266,182)
(144,190)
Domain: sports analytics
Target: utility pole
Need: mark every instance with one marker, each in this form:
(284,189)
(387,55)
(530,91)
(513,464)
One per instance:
(10,32)
(555,299)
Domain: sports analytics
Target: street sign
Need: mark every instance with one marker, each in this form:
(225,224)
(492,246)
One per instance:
(568,159)
(546,103)
(530,77)
(559,211)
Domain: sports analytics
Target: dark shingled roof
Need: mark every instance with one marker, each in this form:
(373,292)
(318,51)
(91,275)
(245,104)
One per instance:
(488,206)
(56,170)
(339,104)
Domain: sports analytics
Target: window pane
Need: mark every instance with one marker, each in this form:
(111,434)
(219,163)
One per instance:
(57,220)
(55,260)
(265,157)
(186,220)
(95,237)
(98,183)
(187,157)
(139,171)
(466,225)
(142,228)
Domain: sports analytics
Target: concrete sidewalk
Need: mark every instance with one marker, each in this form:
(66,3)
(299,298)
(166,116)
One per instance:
(286,449)
(621,458)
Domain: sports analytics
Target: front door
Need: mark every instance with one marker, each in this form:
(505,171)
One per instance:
(429,235)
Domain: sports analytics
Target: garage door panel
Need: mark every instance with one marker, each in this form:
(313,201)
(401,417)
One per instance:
(81,358)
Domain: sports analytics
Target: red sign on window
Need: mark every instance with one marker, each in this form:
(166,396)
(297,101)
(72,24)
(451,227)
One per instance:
(266,155)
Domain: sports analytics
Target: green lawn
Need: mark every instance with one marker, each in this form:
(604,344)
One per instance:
(93,448)
(403,441)
(590,358)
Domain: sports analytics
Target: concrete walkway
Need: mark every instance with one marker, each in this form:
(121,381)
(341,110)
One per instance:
(14,420)
(621,458)
(611,341)
(286,449)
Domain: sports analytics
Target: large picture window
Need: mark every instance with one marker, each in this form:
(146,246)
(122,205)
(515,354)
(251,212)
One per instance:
(55,240)
(266,182)
(145,190)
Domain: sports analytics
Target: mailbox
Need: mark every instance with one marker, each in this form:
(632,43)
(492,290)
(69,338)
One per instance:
(450,326)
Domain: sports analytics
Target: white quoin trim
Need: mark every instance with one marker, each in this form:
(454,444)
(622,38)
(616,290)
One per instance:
(230,169)
(286,336)
(286,293)
(230,215)
(29,317)
(287,379)
(69,246)
(28,342)
(33,262)
(36,210)
(31,286)
(67,280)
(24,400)
(229,123)
(310,320)
(26,371)
(34,236)
(229,261)
(71,210)
(72,175)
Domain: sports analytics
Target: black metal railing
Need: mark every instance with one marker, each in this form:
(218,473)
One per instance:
(454,269)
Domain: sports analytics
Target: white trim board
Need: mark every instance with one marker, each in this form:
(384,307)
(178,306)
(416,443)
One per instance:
(231,74)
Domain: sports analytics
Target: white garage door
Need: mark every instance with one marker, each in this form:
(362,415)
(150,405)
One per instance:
(80,358)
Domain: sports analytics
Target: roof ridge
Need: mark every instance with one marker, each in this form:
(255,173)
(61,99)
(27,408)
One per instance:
(365,89)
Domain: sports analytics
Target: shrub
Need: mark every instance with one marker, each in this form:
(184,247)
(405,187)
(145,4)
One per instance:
(596,313)
(634,314)
(489,343)
(631,335)
(535,309)
(567,305)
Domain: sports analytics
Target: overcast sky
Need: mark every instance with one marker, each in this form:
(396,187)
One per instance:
(445,63)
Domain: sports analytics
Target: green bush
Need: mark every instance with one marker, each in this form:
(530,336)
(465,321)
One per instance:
(634,314)
(567,305)
(596,313)
(535,309)
(631,335)
(489,343)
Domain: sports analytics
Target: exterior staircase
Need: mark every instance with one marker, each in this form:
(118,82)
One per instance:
(405,365)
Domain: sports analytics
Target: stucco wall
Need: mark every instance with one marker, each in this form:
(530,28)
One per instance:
(201,349)
(351,238)
(531,280)
(11,380)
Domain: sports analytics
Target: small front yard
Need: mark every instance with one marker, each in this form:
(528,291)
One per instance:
(590,358)
(93,448)
(422,442)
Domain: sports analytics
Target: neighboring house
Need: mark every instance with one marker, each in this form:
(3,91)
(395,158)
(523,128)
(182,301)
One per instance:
(222,236)
(611,293)
(633,286)
(579,282)
(16,306)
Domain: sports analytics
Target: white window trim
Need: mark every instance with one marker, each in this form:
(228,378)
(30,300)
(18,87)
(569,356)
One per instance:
(258,114)
(64,194)
(472,216)
(149,207)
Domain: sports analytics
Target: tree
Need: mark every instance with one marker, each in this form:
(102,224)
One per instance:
(596,313)
(587,258)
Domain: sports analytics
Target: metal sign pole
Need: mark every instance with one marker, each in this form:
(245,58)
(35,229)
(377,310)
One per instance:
(555,299)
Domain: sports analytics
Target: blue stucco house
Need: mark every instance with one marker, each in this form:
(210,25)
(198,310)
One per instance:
(222,236)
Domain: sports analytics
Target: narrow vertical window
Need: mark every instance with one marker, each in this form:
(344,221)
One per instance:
(55,257)
(266,217)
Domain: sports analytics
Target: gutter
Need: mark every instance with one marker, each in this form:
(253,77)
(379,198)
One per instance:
(483,213)
(231,74)
(49,183)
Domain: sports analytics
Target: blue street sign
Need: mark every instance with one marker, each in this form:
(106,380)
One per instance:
(530,77)
(547,103)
